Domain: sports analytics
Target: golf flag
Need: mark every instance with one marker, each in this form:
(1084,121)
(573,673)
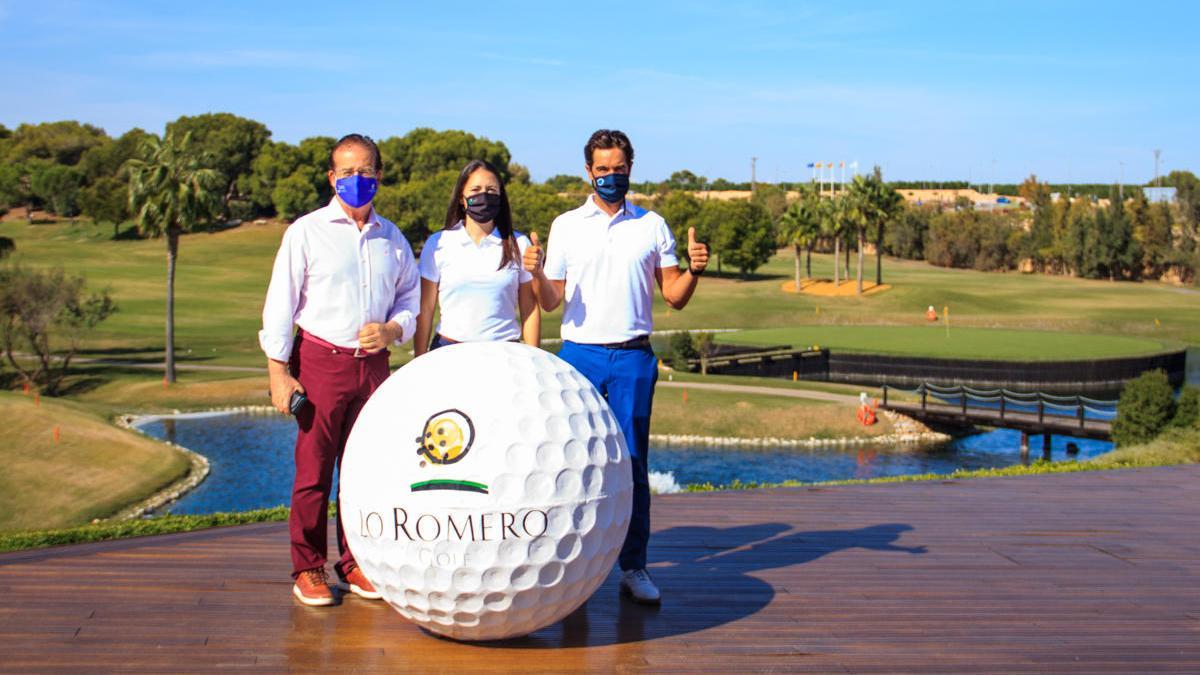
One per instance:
(841,165)
(809,165)
(818,165)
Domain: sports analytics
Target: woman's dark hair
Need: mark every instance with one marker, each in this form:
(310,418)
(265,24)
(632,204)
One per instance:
(503,221)
(361,141)
(606,139)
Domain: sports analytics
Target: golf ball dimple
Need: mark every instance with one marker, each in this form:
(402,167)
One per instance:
(486,490)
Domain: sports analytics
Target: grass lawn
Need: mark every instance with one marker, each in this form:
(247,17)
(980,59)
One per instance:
(94,470)
(222,278)
(976,299)
(715,413)
(958,343)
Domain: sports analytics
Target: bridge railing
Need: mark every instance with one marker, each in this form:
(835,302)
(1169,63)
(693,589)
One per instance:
(1005,401)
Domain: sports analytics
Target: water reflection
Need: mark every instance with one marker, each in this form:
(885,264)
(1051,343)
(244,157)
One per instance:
(251,458)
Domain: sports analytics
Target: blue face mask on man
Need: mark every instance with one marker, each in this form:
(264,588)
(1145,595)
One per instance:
(612,188)
(356,190)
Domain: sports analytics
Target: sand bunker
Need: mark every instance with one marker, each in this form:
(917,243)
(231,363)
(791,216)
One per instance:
(825,287)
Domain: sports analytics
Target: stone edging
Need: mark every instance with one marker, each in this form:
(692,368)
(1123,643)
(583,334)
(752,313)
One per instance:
(196,474)
(907,431)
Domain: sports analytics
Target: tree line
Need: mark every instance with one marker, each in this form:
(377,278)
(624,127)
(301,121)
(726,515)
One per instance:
(1111,238)
(70,168)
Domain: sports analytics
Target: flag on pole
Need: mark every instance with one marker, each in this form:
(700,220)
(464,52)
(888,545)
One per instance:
(842,165)
(810,165)
(818,165)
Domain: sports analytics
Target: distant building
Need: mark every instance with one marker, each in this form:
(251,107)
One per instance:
(1159,195)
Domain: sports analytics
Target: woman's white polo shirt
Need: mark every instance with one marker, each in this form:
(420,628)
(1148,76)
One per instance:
(478,302)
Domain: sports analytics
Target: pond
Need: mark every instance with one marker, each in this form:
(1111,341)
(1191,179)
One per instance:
(251,459)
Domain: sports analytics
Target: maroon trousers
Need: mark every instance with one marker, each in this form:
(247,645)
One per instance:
(337,385)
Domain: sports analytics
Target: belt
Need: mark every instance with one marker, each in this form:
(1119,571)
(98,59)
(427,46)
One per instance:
(357,352)
(639,342)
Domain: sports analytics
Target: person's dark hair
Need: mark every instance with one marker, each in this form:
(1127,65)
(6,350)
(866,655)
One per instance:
(359,140)
(606,139)
(503,221)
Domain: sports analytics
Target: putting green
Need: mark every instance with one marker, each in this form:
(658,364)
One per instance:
(958,343)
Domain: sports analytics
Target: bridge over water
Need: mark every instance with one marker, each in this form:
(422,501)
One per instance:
(1031,413)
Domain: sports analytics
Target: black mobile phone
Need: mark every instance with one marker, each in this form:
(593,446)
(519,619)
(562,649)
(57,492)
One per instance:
(296,402)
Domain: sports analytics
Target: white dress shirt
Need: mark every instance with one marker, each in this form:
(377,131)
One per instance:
(478,301)
(609,265)
(331,279)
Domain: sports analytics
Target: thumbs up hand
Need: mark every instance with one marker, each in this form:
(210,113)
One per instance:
(534,257)
(697,254)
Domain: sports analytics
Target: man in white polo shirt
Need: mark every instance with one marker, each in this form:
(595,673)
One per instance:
(346,277)
(603,260)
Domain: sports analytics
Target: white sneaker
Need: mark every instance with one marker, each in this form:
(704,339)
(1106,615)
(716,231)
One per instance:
(637,585)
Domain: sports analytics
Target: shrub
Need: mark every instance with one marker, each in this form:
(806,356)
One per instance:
(1187,409)
(681,349)
(1146,406)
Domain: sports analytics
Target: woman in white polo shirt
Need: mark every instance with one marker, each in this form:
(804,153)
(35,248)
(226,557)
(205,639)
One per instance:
(471,270)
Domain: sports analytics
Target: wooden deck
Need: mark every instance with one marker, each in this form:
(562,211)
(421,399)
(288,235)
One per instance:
(1090,573)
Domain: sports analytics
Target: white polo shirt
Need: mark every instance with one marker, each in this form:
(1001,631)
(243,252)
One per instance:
(478,302)
(608,263)
(331,279)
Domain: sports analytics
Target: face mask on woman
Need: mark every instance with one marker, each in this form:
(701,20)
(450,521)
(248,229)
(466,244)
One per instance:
(483,207)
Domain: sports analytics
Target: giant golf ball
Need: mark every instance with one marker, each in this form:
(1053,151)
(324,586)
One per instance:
(485,490)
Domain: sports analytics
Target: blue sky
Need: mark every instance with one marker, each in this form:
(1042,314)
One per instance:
(932,90)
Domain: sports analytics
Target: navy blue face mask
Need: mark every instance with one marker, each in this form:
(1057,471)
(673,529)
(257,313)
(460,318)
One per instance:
(483,207)
(612,188)
(356,190)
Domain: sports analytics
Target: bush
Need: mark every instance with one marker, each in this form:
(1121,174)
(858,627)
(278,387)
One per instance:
(1187,409)
(1146,406)
(905,233)
(681,349)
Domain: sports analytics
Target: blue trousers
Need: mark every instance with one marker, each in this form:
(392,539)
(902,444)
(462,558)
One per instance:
(625,378)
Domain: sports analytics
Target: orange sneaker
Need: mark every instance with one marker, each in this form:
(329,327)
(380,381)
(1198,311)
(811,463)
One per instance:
(356,582)
(312,588)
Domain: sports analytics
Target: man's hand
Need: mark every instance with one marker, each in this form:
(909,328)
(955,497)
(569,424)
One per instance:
(282,386)
(697,253)
(534,257)
(375,337)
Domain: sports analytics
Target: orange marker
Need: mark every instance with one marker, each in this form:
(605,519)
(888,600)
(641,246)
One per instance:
(685,394)
(56,434)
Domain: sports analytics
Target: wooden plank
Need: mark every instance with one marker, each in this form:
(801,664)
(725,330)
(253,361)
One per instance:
(1092,572)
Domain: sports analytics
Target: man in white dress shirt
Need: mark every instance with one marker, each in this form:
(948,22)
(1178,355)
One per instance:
(347,279)
(604,260)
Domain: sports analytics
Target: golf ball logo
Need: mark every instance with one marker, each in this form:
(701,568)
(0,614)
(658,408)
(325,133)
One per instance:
(447,438)
(487,511)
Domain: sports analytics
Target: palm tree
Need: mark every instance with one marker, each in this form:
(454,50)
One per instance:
(171,193)
(842,214)
(854,209)
(833,225)
(880,204)
(801,227)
